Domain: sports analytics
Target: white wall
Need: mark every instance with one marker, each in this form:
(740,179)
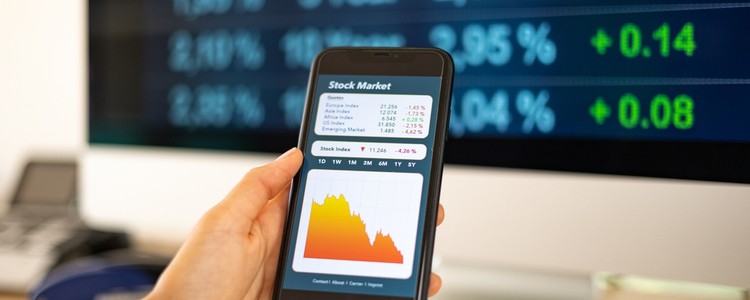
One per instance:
(42,87)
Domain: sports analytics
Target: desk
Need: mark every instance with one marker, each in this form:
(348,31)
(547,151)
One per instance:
(464,281)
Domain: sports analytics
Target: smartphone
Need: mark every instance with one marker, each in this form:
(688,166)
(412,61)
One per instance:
(363,207)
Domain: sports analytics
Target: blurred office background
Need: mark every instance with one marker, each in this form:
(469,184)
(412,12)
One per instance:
(42,82)
(509,231)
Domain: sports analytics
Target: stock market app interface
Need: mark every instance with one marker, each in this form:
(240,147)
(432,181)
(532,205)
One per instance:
(364,185)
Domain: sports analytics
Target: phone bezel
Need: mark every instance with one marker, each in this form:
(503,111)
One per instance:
(387,62)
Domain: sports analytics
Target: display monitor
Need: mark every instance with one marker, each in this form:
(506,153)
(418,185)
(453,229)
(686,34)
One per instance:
(619,117)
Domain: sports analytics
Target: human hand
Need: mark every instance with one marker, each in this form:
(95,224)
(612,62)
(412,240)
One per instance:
(233,251)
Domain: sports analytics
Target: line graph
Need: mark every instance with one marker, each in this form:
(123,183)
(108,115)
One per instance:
(336,233)
(358,223)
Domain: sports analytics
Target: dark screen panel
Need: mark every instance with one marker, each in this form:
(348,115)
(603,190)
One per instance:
(618,87)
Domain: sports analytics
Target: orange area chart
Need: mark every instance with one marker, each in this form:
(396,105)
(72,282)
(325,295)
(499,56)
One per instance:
(336,233)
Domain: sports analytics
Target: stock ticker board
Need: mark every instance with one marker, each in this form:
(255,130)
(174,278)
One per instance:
(524,69)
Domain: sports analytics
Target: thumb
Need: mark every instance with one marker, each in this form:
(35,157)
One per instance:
(261,184)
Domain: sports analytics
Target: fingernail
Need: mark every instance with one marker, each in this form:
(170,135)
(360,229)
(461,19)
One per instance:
(287,153)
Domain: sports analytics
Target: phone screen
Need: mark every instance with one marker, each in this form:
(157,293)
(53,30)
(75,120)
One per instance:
(359,214)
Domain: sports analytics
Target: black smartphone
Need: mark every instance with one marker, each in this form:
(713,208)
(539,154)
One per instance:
(363,207)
